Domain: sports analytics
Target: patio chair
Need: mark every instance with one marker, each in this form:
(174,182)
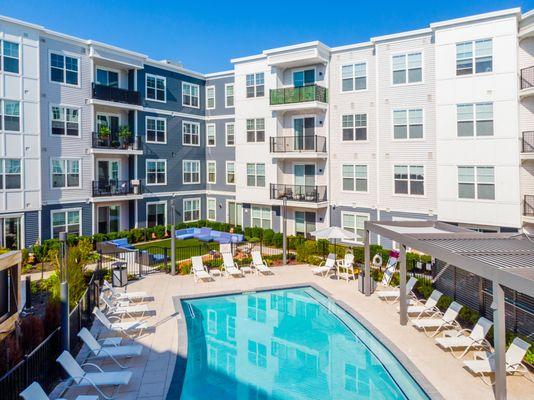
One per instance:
(326,267)
(36,392)
(439,321)
(430,306)
(229,266)
(458,340)
(121,327)
(484,362)
(259,265)
(394,294)
(94,379)
(132,296)
(345,267)
(112,352)
(199,270)
(123,308)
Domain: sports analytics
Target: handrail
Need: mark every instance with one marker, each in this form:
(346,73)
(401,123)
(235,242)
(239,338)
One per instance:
(298,94)
(110,93)
(307,193)
(305,143)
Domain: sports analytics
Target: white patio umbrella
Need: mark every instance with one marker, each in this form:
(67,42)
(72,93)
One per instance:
(334,233)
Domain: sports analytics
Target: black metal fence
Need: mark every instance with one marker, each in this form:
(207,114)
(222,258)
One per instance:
(299,144)
(114,187)
(109,93)
(312,194)
(114,141)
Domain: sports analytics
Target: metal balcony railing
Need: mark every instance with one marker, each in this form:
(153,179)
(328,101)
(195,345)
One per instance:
(298,144)
(312,194)
(114,187)
(527,142)
(113,141)
(109,93)
(299,94)
(528,205)
(527,78)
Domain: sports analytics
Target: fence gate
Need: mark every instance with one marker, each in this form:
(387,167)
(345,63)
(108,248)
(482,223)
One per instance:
(138,262)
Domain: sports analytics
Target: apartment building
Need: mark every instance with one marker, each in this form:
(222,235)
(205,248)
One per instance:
(434,123)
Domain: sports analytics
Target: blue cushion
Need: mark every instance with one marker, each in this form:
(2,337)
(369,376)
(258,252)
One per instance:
(205,238)
(120,242)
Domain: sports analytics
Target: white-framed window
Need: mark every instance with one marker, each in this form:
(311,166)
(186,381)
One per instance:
(255,130)
(261,217)
(10,115)
(210,97)
(66,221)
(229,95)
(354,77)
(478,53)
(407,68)
(191,95)
(64,121)
(191,171)
(476,182)
(211,209)
(255,85)
(191,210)
(156,172)
(211,171)
(409,179)
(355,222)
(10,173)
(354,127)
(408,124)
(156,130)
(107,77)
(10,57)
(64,69)
(190,133)
(211,135)
(229,131)
(230,173)
(256,174)
(156,213)
(354,177)
(230,327)
(156,88)
(474,119)
(65,173)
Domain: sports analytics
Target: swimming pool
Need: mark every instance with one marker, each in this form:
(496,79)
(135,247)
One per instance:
(286,344)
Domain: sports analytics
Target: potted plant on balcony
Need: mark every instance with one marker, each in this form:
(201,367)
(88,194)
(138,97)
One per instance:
(104,132)
(124,136)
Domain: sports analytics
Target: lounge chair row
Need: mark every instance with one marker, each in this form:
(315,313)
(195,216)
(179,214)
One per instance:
(229,267)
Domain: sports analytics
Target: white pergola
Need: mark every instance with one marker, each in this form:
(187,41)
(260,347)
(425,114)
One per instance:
(505,259)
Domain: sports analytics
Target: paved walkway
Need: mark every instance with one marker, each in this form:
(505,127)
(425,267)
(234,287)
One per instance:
(153,370)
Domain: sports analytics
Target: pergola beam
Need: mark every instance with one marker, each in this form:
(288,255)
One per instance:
(403,308)
(499,341)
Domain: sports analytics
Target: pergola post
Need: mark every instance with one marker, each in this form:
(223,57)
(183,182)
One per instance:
(367,259)
(499,340)
(403,308)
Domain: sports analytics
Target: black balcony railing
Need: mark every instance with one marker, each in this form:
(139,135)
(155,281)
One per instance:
(527,142)
(290,144)
(114,187)
(113,141)
(298,94)
(312,194)
(527,78)
(109,93)
(528,205)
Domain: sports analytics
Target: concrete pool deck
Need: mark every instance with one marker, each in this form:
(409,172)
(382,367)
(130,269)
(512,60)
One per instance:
(153,370)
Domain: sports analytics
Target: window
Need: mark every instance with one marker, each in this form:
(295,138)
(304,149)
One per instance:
(304,78)
(65,121)
(230,173)
(354,178)
(475,119)
(257,356)
(10,233)
(407,68)
(156,172)
(10,118)
(230,133)
(409,179)
(255,174)
(355,223)
(210,135)
(190,95)
(354,127)
(210,97)
(229,95)
(261,217)
(476,182)
(211,168)
(66,221)
(190,133)
(191,210)
(63,69)
(65,173)
(156,130)
(156,214)
(107,78)
(255,85)
(156,88)
(10,56)
(408,124)
(211,209)
(481,57)
(255,130)
(10,174)
(191,171)
(354,77)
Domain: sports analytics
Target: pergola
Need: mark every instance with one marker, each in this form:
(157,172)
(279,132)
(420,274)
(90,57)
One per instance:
(505,259)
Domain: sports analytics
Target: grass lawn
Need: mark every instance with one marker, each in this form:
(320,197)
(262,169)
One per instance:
(184,248)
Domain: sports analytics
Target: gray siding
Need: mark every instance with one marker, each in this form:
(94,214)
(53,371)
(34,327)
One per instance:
(87,218)
(221,153)
(220,105)
(31,228)
(142,214)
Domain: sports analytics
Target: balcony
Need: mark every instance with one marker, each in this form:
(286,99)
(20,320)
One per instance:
(298,193)
(310,97)
(528,206)
(527,145)
(116,95)
(114,144)
(308,146)
(115,188)
(527,82)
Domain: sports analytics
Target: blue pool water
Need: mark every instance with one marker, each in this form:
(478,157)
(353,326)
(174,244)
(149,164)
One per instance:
(286,344)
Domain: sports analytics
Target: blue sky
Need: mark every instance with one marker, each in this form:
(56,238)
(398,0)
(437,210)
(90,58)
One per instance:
(205,35)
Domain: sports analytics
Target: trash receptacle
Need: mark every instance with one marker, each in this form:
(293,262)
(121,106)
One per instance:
(361,283)
(120,274)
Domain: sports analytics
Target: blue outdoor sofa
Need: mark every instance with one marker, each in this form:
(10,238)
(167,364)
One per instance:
(208,235)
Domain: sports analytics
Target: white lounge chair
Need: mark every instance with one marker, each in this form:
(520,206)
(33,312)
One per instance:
(123,308)
(112,352)
(94,379)
(259,265)
(199,270)
(345,267)
(229,266)
(326,267)
(121,327)
(458,340)
(430,306)
(131,296)
(484,362)
(394,294)
(36,392)
(439,321)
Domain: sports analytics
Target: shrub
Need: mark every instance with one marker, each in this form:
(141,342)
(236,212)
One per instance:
(136,235)
(424,288)
(278,240)
(268,236)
